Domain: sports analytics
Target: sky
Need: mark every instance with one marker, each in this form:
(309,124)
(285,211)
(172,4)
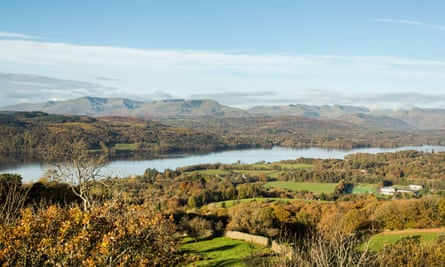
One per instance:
(243,53)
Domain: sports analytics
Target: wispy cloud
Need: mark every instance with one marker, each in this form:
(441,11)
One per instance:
(318,97)
(402,100)
(27,88)
(280,79)
(12,35)
(108,79)
(410,22)
(47,53)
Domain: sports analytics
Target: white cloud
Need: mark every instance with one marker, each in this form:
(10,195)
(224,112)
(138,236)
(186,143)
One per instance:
(318,97)
(12,35)
(28,88)
(400,21)
(410,22)
(281,78)
(47,53)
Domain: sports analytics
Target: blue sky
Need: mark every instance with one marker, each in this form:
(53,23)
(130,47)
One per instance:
(241,53)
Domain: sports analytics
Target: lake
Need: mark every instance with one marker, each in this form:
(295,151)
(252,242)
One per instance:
(32,171)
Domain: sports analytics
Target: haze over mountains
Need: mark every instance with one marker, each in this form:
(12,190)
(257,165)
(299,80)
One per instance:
(413,119)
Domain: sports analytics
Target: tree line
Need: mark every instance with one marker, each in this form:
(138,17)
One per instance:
(36,133)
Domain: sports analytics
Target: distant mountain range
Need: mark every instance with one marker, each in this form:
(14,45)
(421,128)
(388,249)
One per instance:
(400,120)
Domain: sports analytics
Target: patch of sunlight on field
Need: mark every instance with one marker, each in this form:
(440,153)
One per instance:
(220,251)
(378,241)
(364,188)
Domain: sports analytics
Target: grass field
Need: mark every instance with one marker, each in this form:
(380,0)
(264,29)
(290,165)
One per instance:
(300,186)
(378,241)
(364,188)
(124,147)
(220,251)
(259,168)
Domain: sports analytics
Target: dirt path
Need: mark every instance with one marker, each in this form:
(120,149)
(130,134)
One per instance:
(415,231)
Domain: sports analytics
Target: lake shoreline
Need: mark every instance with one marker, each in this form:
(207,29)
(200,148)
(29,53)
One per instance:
(33,170)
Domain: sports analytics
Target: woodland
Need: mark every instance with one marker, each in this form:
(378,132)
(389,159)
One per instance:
(36,133)
(73,216)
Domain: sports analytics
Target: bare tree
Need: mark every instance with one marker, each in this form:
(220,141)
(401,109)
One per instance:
(81,169)
(12,197)
(318,249)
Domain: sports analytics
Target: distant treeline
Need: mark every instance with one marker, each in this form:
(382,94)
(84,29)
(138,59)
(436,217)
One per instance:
(38,134)
(292,131)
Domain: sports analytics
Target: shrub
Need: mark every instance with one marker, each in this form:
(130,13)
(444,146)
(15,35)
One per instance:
(112,235)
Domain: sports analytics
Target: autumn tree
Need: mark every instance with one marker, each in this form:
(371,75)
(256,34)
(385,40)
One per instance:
(254,217)
(197,227)
(110,235)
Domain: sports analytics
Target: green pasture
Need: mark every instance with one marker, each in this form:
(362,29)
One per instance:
(364,188)
(124,147)
(302,186)
(268,169)
(378,241)
(220,251)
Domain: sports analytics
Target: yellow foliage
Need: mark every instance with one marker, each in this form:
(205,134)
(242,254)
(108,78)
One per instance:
(113,234)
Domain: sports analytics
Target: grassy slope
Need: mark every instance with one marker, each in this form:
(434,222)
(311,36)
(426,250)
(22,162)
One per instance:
(221,251)
(378,241)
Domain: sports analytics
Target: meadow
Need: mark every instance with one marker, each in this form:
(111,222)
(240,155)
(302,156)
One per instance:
(221,251)
(427,236)
(271,170)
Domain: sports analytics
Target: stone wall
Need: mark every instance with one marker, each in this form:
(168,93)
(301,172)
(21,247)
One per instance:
(257,239)
(261,240)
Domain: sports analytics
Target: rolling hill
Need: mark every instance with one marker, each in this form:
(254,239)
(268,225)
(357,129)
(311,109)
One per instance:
(99,107)
(395,120)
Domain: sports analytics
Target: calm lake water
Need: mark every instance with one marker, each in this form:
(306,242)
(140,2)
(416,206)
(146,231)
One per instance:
(122,168)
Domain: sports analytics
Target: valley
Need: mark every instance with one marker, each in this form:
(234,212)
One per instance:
(313,199)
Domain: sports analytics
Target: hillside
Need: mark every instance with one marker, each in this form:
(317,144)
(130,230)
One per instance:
(294,131)
(420,118)
(308,111)
(401,120)
(398,120)
(98,107)
(39,133)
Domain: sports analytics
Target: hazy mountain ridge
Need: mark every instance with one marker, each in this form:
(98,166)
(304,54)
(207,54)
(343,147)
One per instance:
(309,111)
(98,107)
(399,120)
(415,118)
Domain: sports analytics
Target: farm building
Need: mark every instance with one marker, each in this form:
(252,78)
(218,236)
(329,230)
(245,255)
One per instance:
(391,190)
